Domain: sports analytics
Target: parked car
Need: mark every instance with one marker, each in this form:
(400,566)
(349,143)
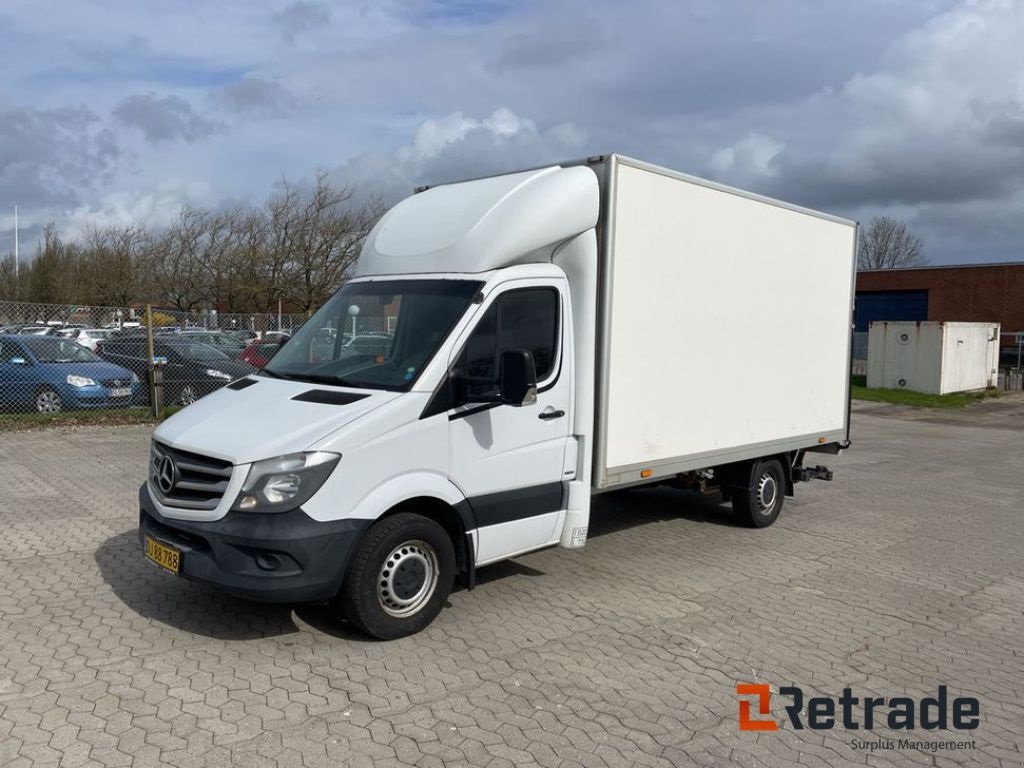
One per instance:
(259,352)
(369,344)
(123,325)
(15,327)
(50,374)
(225,342)
(36,330)
(244,335)
(191,369)
(87,337)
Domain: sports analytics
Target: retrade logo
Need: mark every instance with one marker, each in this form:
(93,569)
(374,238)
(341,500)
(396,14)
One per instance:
(939,712)
(764,699)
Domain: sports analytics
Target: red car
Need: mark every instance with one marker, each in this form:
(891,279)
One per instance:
(260,351)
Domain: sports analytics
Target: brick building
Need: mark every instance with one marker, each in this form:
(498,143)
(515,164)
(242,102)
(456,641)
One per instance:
(968,292)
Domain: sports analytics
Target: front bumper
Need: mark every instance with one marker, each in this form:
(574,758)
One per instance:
(286,557)
(96,397)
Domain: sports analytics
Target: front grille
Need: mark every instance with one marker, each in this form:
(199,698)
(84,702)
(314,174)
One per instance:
(188,481)
(116,383)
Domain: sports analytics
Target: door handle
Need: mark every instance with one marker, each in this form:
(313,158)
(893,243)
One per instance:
(547,415)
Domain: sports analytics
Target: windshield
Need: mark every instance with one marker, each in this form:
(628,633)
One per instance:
(377,335)
(52,349)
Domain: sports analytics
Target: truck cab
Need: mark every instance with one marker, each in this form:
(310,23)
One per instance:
(455,442)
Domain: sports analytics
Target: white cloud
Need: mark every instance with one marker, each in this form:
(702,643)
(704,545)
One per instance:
(155,208)
(940,121)
(457,146)
(751,156)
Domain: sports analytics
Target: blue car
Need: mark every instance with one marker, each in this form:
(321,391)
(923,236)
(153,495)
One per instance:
(49,374)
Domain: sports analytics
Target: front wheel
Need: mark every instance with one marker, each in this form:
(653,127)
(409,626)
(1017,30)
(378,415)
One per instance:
(760,504)
(187,395)
(48,401)
(400,576)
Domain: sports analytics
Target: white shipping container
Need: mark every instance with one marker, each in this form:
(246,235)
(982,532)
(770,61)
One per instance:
(933,357)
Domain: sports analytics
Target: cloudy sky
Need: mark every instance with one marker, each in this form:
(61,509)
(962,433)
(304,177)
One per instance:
(115,111)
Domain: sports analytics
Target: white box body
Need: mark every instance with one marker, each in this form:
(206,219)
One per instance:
(726,326)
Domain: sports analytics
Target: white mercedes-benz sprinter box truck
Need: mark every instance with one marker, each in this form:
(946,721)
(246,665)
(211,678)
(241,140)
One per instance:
(553,333)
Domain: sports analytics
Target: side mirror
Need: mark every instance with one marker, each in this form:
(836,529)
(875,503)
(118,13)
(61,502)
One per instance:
(518,378)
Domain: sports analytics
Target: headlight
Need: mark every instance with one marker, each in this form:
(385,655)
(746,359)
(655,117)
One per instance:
(80,381)
(287,482)
(218,374)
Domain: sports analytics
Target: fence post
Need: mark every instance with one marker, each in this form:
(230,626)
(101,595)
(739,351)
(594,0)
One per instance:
(155,390)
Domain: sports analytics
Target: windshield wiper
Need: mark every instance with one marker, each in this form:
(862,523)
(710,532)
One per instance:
(272,374)
(318,378)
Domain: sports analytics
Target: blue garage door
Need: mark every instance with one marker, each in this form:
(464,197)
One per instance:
(889,305)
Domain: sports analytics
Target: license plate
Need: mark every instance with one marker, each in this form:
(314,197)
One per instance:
(120,392)
(166,557)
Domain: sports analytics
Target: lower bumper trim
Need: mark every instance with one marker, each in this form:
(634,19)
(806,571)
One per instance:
(287,557)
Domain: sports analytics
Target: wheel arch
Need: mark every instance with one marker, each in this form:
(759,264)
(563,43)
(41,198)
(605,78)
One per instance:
(434,497)
(740,474)
(453,518)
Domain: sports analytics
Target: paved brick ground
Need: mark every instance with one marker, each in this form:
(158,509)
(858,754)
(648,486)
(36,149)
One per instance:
(902,574)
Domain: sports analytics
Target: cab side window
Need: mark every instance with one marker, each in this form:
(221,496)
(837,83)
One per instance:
(521,319)
(529,320)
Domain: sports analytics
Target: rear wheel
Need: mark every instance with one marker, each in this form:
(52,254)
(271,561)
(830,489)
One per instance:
(400,576)
(759,505)
(48,401)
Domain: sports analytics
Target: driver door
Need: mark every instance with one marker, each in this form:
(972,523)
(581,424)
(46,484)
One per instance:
(508,460)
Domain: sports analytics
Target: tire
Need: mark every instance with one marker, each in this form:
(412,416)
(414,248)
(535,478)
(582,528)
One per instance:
(48,401)
(399,578)
(760,505)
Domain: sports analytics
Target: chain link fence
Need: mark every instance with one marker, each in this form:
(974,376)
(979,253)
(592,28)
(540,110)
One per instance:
(1011,360)
(66,363)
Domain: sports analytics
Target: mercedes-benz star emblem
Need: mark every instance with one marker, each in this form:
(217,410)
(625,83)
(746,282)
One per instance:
(165,476)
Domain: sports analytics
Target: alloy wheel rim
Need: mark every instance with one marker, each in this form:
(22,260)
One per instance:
(48,402)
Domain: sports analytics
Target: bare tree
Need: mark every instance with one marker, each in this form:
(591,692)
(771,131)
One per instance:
(296,248)
(326,236)
(242,289)
(887,243)
(53,274)
(10,285)
(110,265)
(174,261)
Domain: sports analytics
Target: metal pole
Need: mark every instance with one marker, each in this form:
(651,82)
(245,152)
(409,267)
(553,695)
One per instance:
(152,367)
